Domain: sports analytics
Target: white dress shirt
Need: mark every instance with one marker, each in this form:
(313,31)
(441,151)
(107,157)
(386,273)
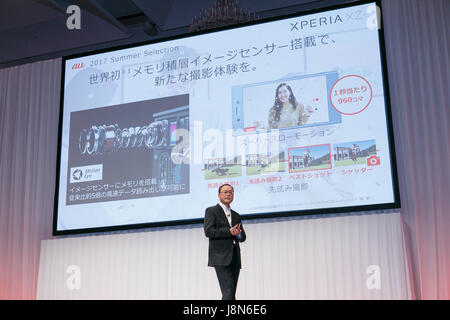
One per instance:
(228,215)
(227,212)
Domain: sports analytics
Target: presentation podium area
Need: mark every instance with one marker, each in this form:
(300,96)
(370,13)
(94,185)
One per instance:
(356,256)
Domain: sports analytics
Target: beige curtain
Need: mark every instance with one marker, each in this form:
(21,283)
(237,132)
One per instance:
(29,101)
(418,44)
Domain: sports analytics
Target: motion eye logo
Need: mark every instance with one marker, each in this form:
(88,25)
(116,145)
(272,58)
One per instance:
(77,174)
(86,173)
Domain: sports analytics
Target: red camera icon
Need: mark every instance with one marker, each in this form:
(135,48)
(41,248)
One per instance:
(373,161)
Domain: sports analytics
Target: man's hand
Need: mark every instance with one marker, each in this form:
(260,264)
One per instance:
(236,230)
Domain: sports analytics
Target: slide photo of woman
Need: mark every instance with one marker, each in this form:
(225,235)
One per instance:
(282,104)
(287,111)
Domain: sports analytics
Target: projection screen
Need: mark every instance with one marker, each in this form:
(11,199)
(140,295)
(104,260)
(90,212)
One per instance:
(292,112)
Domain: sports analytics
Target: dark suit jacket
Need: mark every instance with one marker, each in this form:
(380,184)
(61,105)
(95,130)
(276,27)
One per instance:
(217,229)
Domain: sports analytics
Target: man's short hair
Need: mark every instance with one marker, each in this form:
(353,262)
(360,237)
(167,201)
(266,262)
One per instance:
(226,184)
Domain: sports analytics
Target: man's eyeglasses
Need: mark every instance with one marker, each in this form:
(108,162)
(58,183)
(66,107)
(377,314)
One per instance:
(227,192)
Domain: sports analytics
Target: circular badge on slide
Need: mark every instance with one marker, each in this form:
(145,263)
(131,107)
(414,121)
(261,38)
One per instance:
(351,94)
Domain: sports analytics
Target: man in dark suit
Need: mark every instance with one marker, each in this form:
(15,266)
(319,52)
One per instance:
(224,229)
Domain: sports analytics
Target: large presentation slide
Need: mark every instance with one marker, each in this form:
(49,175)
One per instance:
(293,113)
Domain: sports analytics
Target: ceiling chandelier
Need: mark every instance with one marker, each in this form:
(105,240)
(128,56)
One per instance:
(221,13)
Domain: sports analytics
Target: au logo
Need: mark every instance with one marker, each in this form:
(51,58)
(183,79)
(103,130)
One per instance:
(78,66)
